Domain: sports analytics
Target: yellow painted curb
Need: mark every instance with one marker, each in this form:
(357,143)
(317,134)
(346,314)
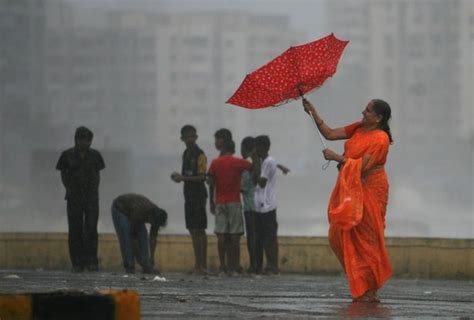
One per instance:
(127,303)
(107,304)
(15,307)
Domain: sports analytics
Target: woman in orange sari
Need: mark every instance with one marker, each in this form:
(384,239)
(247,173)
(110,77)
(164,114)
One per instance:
(358,202)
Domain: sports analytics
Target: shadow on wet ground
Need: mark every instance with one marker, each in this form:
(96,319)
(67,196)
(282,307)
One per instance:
(180,296)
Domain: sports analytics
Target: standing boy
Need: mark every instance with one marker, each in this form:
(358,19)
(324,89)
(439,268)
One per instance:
(80,174)
(247,187)
(265,207)
(193,174)
(224,173)
(248,197)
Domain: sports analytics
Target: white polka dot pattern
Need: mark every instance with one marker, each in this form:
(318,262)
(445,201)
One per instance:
(296,71)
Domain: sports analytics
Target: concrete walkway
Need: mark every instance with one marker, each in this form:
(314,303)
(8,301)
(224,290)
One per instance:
(263,297)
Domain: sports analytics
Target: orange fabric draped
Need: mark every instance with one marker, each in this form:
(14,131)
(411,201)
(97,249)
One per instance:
(357,209)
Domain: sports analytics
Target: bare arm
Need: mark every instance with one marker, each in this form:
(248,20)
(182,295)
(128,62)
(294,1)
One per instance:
(331,155)
(199,177)
(283,169)
(326,131)
(152,241)
(262,182)
(257,166)
(212,206)
(136,251)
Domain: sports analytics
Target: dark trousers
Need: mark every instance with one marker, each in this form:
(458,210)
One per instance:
(267,240)
(82,223)
(251,234)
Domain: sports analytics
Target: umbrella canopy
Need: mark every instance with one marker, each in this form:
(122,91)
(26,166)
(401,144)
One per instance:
(298,70)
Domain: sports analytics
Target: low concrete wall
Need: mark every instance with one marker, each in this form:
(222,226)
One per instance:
(411,257)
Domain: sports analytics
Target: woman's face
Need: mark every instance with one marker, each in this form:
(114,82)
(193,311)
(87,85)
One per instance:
(369,116)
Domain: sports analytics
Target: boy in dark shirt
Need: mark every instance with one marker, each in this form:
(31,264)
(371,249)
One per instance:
(80,167)
(130,212)
(193,175)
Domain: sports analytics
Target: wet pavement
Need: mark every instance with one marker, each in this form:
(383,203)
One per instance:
(285,296)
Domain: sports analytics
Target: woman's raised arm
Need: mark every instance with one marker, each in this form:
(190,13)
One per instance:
(326,131)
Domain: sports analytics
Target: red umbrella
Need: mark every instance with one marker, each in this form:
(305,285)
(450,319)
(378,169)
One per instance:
(296,71)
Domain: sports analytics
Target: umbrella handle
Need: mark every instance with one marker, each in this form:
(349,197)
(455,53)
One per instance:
(319,132)
(326,165)
(314,121)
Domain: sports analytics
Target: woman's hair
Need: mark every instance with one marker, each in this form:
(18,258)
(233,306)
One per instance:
(383,109)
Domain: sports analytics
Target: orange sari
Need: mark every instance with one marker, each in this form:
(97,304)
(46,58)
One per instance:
(357,210)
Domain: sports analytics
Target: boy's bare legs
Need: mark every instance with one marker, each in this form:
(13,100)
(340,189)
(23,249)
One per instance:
(235,252)
(221,250)
(199,238)
(228,250)
(195,239)
(202,252)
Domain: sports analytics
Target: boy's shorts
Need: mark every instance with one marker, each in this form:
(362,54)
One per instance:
(195,215)
(229,218)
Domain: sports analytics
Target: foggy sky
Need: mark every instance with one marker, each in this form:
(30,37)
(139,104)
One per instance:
(431,185)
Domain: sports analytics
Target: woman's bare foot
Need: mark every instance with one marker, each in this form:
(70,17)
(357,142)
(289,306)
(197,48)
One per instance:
(369,297)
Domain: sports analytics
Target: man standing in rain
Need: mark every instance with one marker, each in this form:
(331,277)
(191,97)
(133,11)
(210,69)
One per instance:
(80,174)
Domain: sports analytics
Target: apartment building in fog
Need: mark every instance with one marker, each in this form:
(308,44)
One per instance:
(416,54)
(104,76)
(203,58)
(22,25)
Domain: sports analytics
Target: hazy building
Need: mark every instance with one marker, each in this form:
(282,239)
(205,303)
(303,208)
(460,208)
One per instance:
(418,53)
(467,61)
(105,78)
(58,74)
(22,25)
(202,59)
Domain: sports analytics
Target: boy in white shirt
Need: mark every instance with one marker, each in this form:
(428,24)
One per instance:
(265,207)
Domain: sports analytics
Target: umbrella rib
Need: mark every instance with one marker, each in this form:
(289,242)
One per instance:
(293,60)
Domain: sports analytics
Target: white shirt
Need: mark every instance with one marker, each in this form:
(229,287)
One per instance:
(265,198)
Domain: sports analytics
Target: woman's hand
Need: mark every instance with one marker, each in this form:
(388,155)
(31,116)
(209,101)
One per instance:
(308,107)
(331,155)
